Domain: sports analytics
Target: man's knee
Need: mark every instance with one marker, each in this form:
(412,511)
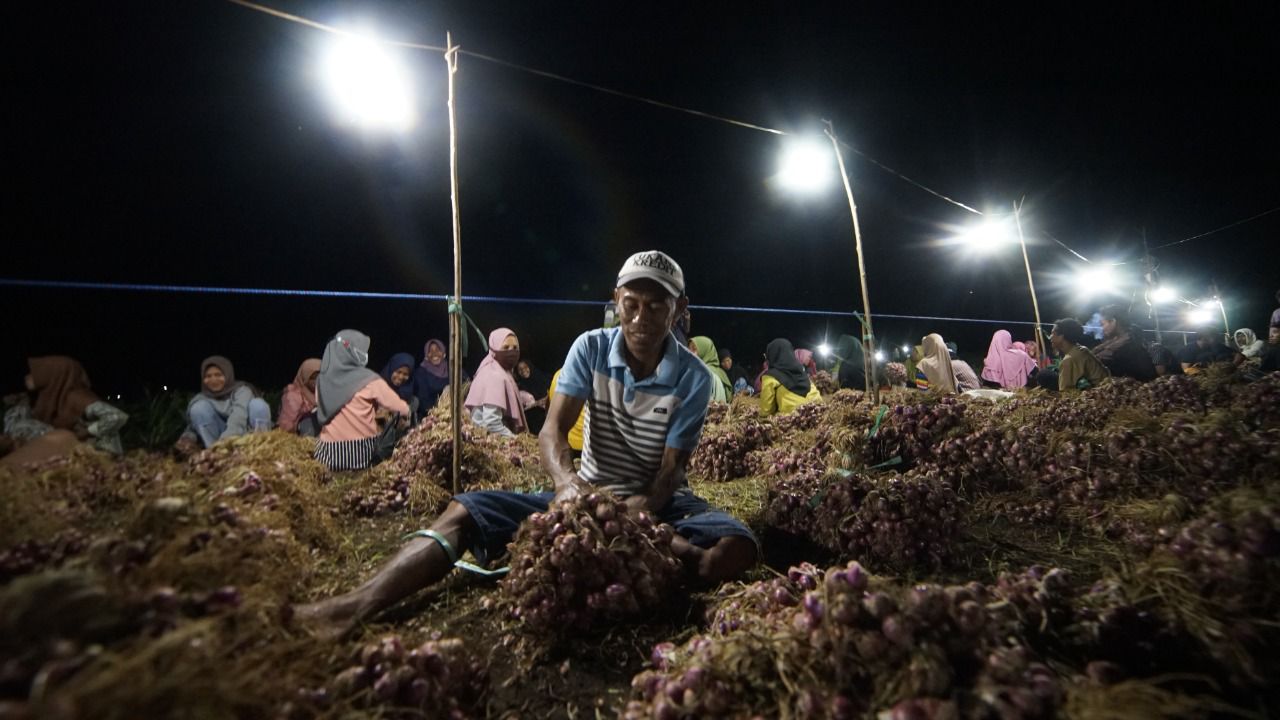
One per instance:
(455,517)
(729,558)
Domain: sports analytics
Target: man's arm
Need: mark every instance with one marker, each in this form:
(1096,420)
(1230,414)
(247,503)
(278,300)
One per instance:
(553,445)
(669,478)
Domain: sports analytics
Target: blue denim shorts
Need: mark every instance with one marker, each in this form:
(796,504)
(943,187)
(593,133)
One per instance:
(498,515)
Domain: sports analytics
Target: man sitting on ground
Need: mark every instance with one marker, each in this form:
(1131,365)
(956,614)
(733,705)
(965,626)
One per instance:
(1205,351)
(1079,369)
(646,399)
(1119,350)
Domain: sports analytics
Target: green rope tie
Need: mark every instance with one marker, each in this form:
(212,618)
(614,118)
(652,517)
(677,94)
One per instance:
(455,308)
(453,554)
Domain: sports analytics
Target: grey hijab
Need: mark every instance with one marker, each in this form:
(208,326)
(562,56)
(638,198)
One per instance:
(228,371)
(342,373)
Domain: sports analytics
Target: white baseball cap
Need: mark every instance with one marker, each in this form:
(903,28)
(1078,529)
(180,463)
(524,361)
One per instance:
(654,265)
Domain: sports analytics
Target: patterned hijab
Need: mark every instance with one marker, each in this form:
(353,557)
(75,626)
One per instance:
(62,388)
(342,373)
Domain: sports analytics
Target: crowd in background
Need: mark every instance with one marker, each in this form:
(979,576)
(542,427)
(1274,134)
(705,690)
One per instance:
(357,415)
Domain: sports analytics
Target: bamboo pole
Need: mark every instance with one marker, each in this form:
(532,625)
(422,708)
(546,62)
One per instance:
(1031,285)
(869,344)
(1217,297)
(455,314)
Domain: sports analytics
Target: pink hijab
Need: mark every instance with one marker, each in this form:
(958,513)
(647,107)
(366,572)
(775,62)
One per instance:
(805,358)
(1005,364)
(494,384)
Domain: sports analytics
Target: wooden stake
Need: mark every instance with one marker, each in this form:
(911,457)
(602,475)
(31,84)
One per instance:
(1031,285)
(455,314)
(869,343)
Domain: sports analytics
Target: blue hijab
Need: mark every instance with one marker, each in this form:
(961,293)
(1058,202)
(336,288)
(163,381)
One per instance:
(397,361)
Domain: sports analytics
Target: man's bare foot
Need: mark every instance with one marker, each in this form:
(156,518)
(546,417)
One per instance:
(328,619)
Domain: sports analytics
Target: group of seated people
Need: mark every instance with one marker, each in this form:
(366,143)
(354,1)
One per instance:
(358,415)
(1120,353)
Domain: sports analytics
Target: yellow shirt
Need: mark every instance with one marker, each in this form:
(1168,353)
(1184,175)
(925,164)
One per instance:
(575,432)
(774,398)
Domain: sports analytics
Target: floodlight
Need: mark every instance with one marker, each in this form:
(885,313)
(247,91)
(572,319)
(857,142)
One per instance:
(368,84)
(807,165)
(1199,317)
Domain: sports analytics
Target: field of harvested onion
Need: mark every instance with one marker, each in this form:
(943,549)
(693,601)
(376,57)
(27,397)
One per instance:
(1112,554)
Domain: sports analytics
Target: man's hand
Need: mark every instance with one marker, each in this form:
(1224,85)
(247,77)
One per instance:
(636,503)
(572,489)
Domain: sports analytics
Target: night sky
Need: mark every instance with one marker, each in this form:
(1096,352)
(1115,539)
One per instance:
(189,143)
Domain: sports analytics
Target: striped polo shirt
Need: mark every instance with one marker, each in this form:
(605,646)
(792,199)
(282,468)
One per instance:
(630,422)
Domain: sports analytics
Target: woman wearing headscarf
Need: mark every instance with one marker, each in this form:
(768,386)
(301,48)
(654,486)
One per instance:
(935,363)
(737,374)
(1249,344)
(785,386)
(298,402)
(1006,366)
(398,373)
(494,398)
(533,381)
(1037,354)
(64,401)
(805,358)
(534,391)
(850,369)
(224,407)
(431,376)
(348,399)
(722,390)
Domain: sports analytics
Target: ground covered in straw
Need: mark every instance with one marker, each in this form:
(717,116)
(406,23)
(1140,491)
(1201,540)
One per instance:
(1114,554)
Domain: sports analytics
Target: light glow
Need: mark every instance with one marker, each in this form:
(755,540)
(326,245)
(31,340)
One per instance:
(824,349)
(1198,317)
(807,166)
(987,237)
(1164,294)
(879,356)
(1097,280)
(368,85)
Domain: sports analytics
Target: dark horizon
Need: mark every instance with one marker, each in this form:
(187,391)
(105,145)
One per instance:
(189,145)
